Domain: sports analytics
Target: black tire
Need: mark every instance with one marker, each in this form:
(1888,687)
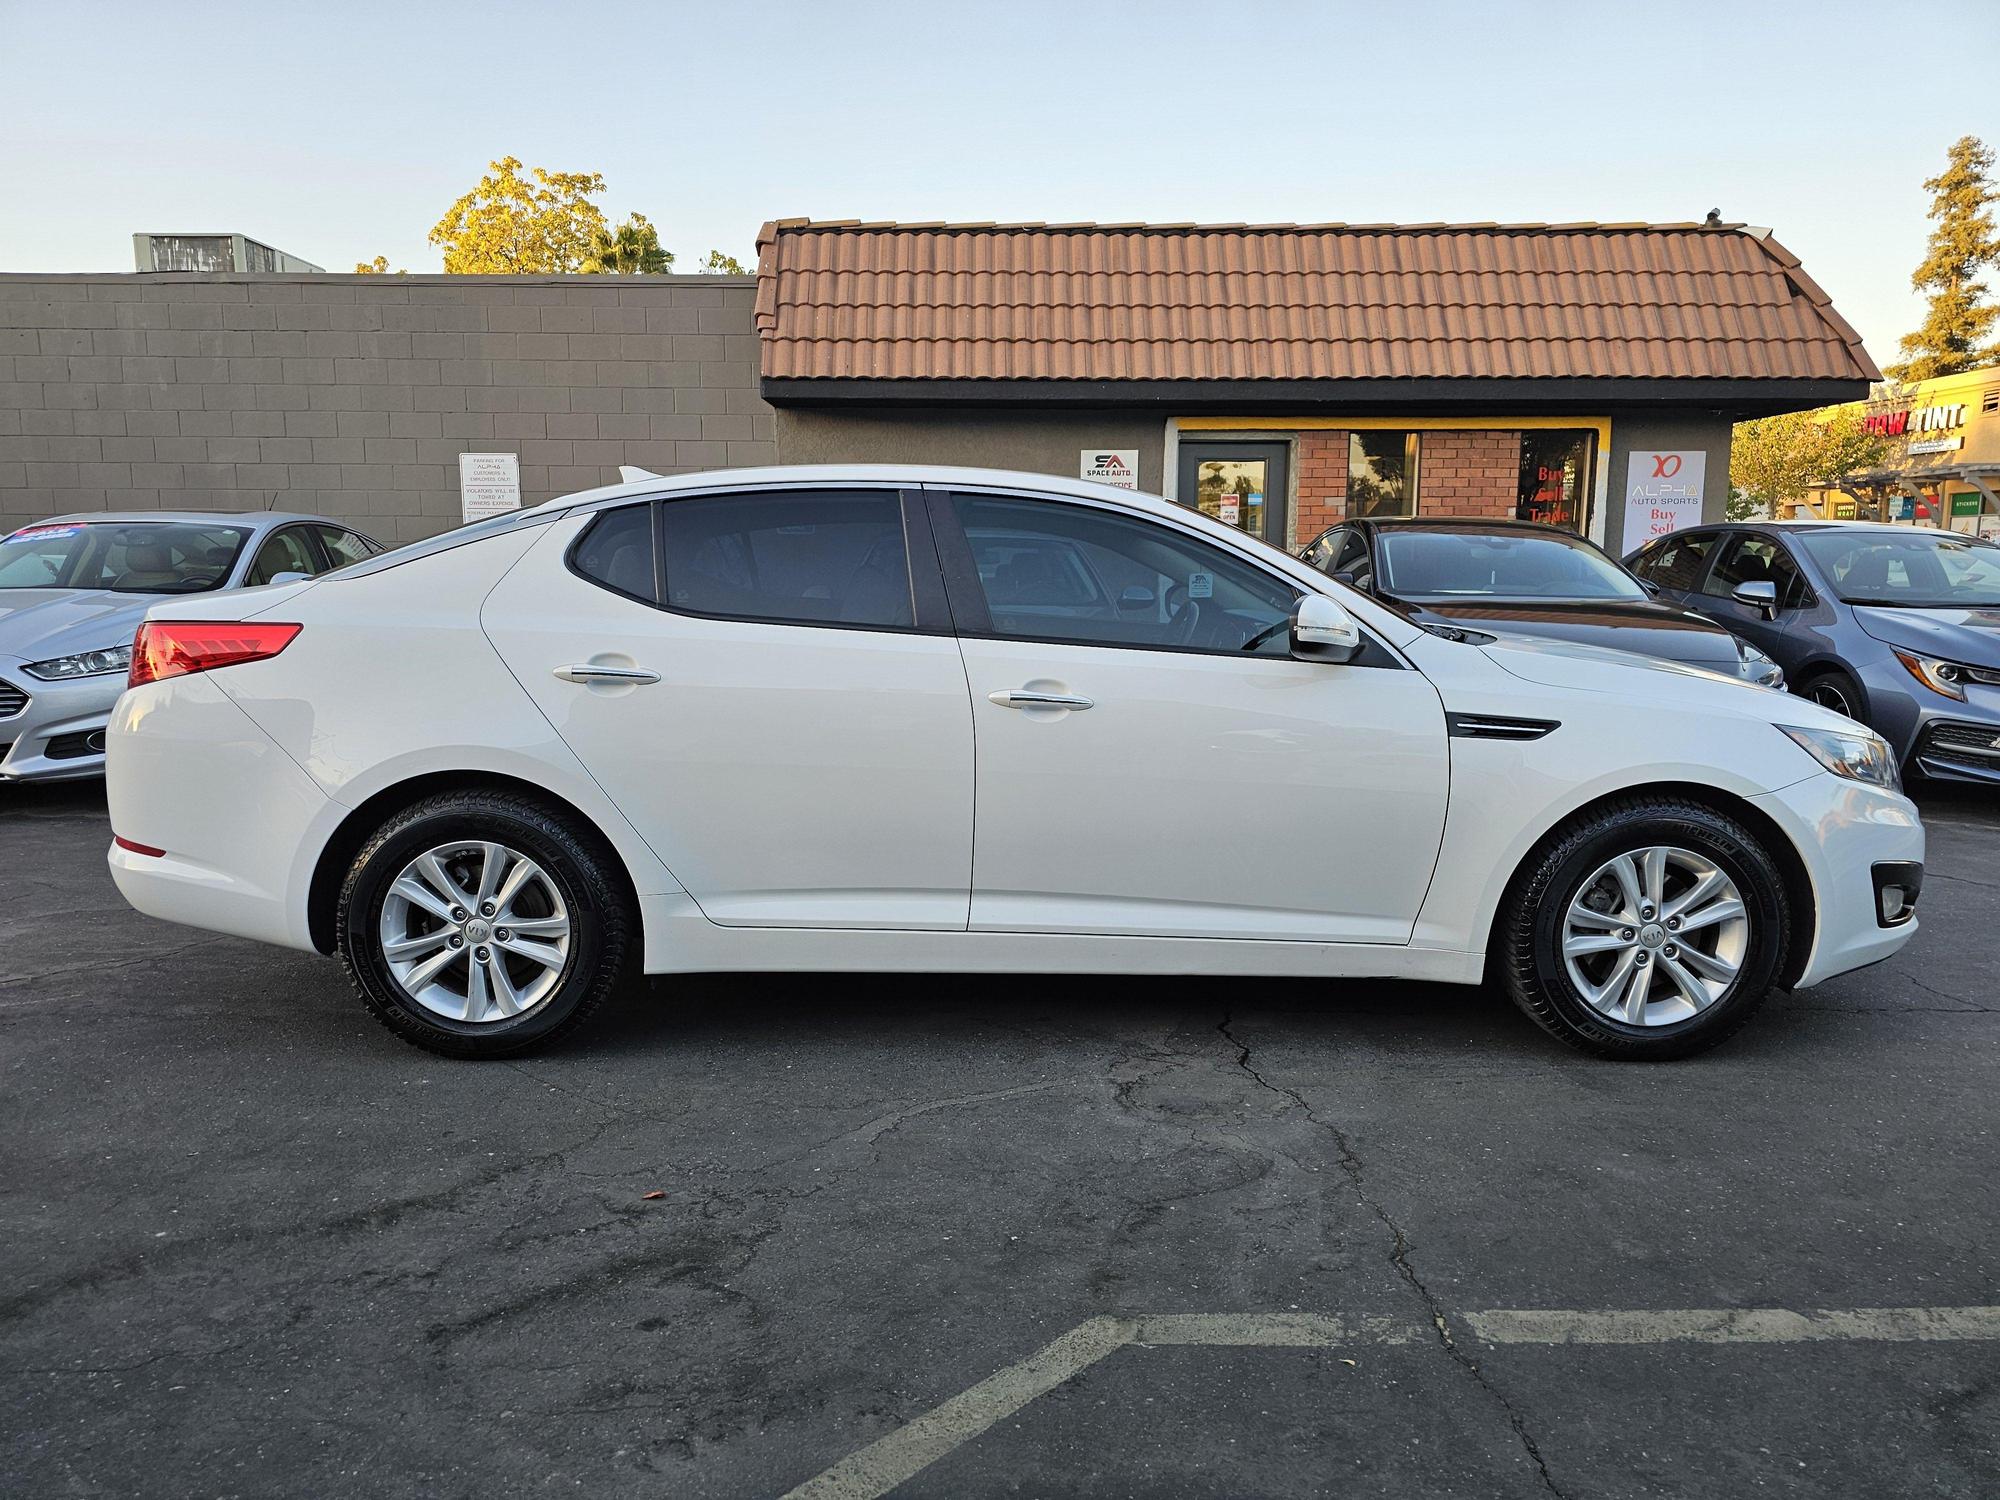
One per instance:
(1832,688)
(1534,913)
(578,865)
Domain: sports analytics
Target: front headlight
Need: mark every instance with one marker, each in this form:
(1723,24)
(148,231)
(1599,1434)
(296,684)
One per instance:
(1753,665)
(83,664)
(1947,677)
(1857,757)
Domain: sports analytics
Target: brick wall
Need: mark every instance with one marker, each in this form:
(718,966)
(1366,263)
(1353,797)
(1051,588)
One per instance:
(1468,473)
(1464,473)
(1322,484)
(354,395)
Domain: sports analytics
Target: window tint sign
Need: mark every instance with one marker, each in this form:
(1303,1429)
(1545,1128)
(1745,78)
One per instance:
(1662,492)
(1115,466)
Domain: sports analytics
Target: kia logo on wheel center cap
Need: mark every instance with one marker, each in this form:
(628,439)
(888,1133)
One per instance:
(1652,934)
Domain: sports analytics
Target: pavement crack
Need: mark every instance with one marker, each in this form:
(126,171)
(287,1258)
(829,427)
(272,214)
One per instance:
(1355,1171)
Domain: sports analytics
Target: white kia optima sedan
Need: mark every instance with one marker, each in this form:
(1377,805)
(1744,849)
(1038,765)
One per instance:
(872,718)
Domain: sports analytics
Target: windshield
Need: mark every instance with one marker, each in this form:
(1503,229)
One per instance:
(1920,570)
(127,557)
(1499,565)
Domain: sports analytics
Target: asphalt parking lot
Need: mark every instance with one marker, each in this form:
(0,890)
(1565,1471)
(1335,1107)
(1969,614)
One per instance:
(984,1237)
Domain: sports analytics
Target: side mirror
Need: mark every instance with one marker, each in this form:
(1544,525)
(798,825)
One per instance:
(290,575)
(1346,576)
(1136,596)
(1761,595)
(1323,631)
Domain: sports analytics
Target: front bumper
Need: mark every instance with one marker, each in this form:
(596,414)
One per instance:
(1843,830)
(1934,735)
(58,734)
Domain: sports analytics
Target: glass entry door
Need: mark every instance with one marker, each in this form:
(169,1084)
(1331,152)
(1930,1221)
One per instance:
(1240,484)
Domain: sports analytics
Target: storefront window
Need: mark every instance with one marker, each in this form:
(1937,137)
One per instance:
(1555,478)
(1382,474)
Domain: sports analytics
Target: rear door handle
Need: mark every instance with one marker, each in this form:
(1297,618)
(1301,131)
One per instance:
(1028,698)
(592,672)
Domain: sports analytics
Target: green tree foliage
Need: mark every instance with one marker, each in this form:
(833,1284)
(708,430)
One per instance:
(632,249)
(1778,459)
(719,264)
(379,266)
(1956,331)
(510,225)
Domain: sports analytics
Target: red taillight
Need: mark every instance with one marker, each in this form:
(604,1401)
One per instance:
(174,648)
(129,846)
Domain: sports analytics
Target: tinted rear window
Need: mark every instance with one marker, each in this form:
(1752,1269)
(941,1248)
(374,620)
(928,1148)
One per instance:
(826,557)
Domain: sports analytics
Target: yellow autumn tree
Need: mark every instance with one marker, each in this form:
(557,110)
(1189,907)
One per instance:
(511,225)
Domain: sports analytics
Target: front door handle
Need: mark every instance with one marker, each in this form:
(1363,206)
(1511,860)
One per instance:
(1028,698)
(587,671)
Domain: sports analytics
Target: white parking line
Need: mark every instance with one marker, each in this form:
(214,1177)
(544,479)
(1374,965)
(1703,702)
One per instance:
(890,1460)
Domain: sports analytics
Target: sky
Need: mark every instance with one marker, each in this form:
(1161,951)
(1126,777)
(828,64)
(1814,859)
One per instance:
(341,131)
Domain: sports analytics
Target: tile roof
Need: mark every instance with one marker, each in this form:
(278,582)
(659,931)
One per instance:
(1247,302)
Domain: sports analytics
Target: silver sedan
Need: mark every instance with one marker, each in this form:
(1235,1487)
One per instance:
(74,588)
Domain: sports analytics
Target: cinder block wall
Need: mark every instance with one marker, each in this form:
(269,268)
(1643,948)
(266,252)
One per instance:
(354,395)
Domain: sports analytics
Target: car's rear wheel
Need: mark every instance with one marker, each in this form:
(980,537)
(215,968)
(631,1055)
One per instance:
(482,924)
(1651,927)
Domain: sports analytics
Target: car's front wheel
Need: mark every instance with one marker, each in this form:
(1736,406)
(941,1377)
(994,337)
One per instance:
(482,924)
(1650,927)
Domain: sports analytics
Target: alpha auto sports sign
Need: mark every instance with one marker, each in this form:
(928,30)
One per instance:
(1662,493)
(1119,466)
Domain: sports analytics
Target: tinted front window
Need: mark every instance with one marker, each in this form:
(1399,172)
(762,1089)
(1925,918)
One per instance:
(1914,571)
(1757,559)
(1677,562)
(283,552)
(806,557)
(1501,565)
(129,557)
(1072,573)
(617,551)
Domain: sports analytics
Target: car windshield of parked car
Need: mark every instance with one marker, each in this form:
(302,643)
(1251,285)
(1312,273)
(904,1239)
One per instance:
(127,557)
(1917,570)
(1498,565)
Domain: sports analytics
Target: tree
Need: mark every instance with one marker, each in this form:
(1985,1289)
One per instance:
(632,249)
(1778,459)
(379,266)
(511,225)
(1954,332)
(719,264)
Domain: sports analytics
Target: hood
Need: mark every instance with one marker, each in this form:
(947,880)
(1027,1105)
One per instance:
(39,623)
(1968,635)
(1638,625)
(1588,669)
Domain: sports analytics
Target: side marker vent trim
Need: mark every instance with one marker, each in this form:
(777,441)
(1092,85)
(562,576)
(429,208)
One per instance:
(1496,727)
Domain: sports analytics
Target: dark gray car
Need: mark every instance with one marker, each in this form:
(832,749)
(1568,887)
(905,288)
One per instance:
(1897,626)
(1524,578)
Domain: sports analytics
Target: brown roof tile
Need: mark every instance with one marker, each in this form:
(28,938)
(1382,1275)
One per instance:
(845,299)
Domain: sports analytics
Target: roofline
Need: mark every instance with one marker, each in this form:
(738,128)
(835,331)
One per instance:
(773,228)
(1459,395)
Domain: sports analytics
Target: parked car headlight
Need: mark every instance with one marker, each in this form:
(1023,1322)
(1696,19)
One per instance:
(1947,677)
(1858,757)
(1753,665)
(83,664)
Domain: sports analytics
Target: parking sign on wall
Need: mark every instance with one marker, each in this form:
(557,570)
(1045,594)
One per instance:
(1662,493)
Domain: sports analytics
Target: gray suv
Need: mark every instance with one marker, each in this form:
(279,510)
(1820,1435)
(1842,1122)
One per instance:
(1896,626)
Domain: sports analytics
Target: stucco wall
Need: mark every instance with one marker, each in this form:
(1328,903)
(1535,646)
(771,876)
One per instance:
(354,395)
(1645,431)
(1046,441)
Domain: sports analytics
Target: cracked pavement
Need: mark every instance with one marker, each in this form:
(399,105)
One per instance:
(259,1247)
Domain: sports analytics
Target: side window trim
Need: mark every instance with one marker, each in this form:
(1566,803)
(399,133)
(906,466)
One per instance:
(929,609)
(309,545)
(968,598)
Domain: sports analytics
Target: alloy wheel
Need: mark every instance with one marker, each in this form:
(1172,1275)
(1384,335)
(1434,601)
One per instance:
(1827,694)
(1655,936)
(475,932)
